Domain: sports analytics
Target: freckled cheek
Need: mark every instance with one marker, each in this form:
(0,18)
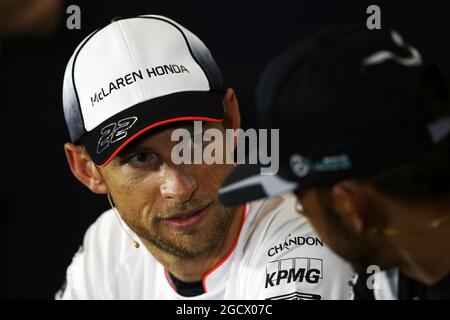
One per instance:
(148,200)
(139,199)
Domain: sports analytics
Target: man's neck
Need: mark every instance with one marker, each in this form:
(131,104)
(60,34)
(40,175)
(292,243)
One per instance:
(428,263)
(425,255)
(193,270)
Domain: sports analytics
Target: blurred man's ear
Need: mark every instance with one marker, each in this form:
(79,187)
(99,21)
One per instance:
(232,119)
(231,110)
(351,202)
(84,169)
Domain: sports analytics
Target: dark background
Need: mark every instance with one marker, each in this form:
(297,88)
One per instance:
(44,211)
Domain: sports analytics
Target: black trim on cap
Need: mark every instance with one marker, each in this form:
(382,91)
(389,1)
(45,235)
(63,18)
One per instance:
(366,155)
(205,104)
(243,195)
(73,77)
(247,183)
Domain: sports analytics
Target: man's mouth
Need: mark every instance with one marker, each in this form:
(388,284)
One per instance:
(187,218)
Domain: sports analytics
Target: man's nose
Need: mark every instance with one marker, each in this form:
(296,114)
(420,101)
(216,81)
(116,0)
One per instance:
(178,185)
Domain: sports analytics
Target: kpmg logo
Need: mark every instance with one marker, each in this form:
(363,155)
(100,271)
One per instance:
(291,270)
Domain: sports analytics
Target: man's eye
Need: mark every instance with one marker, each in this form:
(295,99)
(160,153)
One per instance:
(141,158)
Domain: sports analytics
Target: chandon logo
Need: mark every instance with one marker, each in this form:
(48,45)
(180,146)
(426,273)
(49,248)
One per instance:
(114,132)
(293,270)
(292,242)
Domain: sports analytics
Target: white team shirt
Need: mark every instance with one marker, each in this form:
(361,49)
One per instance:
(277,256)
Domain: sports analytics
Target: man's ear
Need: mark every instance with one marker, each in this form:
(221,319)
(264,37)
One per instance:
(232,114)
(231,110)
(84,169)
(351,202)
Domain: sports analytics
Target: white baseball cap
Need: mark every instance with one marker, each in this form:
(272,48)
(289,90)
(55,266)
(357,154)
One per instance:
(136,74)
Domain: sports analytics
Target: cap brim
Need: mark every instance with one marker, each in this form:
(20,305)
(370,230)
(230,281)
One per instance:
(105,141)
(246,183)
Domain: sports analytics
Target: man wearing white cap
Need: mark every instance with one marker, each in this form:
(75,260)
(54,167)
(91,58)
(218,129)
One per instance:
(127,87)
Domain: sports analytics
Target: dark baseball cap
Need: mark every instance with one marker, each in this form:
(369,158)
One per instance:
(347,103)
